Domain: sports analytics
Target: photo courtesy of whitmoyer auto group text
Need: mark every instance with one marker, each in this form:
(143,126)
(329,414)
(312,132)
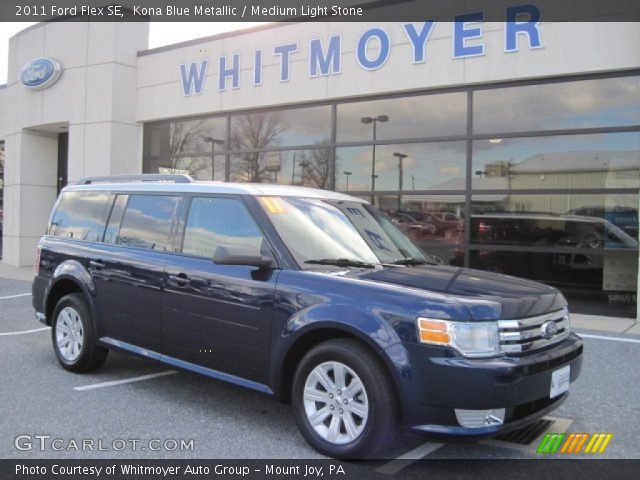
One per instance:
(319,239)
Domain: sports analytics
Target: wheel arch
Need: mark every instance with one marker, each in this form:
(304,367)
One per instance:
(317,334)
(69,277)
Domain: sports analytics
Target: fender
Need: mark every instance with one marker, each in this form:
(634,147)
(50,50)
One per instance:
(77,273)
(370,328)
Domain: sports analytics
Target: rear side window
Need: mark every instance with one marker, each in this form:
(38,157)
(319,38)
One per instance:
(218,221)
(147,222)
(80,215)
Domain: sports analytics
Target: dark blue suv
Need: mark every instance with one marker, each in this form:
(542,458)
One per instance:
(310,296)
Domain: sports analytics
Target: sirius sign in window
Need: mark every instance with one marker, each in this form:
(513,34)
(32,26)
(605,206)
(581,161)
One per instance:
(326,55)
(40,73)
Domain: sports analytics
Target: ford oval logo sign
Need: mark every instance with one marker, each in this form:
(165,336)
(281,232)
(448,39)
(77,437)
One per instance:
(40,73)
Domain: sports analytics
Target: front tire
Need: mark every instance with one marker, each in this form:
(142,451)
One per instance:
(74,339)
(343,400)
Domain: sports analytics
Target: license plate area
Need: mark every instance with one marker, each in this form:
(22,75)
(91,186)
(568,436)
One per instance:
(560,380)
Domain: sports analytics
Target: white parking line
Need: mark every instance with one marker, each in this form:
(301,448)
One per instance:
(394,466)
(126,380)
(24,331)
(16,296)
(614,339)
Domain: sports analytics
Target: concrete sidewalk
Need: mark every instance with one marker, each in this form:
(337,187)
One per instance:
(578,320)
(16,273)
(604,324)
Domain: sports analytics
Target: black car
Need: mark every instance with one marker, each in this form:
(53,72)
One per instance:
(309,296)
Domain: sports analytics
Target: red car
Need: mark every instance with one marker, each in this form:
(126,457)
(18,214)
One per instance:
(447,225)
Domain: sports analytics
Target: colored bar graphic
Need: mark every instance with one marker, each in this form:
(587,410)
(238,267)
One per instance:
(550,443)
(598,443)
(574,442)
(581,442)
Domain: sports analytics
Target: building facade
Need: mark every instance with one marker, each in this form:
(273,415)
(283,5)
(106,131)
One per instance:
(508,147)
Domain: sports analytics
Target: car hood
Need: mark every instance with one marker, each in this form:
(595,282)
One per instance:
(518,298)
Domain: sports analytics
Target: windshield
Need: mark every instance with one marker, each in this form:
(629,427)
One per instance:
(321,231)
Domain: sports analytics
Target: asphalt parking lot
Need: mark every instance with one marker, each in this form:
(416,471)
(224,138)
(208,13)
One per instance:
(38,397)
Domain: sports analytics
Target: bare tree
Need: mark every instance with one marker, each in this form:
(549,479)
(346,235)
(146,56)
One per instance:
(255,131)
(316,167)
(188,137)
(192,165)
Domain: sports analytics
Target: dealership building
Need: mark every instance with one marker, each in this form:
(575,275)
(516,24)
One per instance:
(511,147)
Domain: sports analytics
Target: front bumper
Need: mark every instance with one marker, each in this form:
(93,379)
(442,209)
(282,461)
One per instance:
(508,426)
(435,381)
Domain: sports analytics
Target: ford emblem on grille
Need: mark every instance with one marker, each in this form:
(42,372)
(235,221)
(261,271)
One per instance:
(549,329)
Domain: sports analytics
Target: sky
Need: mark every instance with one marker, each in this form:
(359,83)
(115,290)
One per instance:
(160,33)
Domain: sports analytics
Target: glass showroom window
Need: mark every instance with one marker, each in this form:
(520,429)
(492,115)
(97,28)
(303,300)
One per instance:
(584,242)
(601,160)
(436,115)
(606,102)
(281,128)
(190,147)
(581,221)
(402,167)
(203,167)
(579,242)
(589,277)
(187,138)
(310,168)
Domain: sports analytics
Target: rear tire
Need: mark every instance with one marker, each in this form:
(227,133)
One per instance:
(73,336)
(343,400)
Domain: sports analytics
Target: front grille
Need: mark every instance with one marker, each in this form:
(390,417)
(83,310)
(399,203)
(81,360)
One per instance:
(533,333)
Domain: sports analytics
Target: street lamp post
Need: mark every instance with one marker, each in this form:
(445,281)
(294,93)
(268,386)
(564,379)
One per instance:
(401,157)
(374,121)
(214,142)
(293,170)
(304,164)
(347,174)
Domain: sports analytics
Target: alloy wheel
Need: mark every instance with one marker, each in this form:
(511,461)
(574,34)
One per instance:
(69,334)
(336,402)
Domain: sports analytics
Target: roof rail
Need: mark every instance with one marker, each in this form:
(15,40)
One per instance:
(149,177)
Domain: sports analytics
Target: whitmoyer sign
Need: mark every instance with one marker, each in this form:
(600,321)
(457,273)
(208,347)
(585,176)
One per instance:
(372,50)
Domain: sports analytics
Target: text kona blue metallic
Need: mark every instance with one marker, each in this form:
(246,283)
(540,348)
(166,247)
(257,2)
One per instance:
(311,296)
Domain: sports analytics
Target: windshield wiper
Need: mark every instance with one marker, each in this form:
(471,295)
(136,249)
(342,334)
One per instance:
(341,262)
(410,261)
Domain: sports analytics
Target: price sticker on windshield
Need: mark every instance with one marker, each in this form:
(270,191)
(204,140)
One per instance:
(273,205)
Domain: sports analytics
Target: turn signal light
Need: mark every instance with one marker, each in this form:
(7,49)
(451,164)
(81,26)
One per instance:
(433,331)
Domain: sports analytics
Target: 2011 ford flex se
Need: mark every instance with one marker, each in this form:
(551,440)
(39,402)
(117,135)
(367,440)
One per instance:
(310,296)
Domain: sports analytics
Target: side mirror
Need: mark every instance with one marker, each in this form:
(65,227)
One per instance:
(241,255)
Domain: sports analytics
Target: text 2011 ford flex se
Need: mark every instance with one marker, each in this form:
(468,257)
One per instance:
(311,296)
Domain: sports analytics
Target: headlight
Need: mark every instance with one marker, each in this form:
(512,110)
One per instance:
(471,339)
